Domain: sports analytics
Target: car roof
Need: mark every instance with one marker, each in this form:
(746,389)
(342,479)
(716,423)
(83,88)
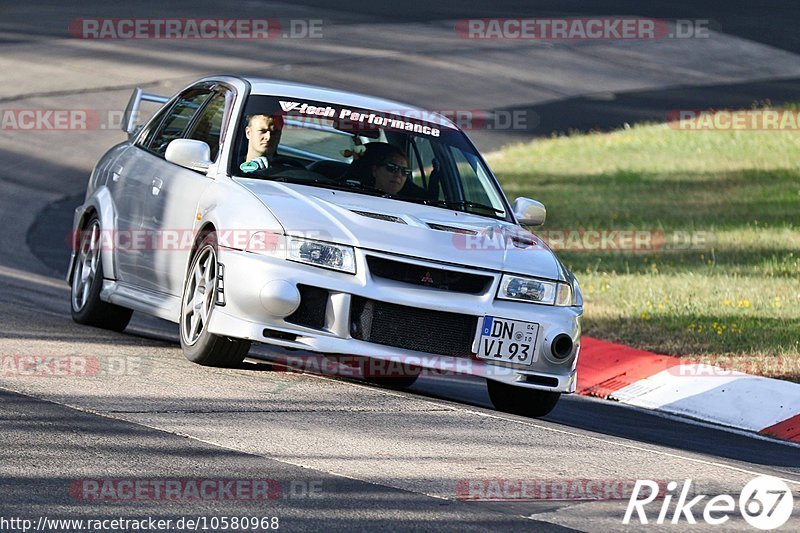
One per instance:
(272,87)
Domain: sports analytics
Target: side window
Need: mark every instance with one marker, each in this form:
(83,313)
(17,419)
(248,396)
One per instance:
(209,126)
(474,180)
(179,117)
(151,128)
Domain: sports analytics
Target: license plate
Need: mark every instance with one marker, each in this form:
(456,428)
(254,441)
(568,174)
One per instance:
(510,341)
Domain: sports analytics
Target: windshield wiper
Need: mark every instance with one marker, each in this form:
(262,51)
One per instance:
(464,204)
(340,186)
(357,185)
(299,181)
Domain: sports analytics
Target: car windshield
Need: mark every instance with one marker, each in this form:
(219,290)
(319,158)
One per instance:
(398,155)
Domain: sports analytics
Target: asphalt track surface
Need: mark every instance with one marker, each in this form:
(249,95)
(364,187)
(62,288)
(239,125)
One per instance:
(346,455)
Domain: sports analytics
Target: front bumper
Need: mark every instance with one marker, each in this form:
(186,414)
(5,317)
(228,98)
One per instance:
(243,315)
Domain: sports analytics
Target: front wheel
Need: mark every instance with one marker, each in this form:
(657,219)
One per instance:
(87,280)
(197,305)
(521,401)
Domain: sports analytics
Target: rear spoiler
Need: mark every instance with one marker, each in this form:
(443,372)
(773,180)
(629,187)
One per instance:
(132,110)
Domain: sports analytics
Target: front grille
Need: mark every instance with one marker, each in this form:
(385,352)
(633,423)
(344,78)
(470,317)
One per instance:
(311,312)
(412,328)
(437,278)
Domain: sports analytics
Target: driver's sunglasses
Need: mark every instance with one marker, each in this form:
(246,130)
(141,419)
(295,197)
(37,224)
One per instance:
(397,169)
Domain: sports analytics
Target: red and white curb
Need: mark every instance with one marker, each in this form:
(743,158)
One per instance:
(684,388)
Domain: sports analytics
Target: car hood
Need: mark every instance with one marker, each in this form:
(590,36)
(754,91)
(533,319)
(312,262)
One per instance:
(406,228)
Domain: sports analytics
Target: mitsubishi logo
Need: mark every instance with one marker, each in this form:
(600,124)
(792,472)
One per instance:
(427,278)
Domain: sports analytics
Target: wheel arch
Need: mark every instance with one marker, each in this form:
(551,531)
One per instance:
(205,228)
(101,205)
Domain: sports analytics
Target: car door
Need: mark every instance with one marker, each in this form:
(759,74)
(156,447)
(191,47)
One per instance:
(142,167)
(171,207)
(129,183)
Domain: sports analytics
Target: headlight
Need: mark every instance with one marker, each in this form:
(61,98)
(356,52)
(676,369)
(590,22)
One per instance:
(535,291)
(321,254)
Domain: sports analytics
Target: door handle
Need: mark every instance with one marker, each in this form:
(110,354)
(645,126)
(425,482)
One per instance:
(157,184)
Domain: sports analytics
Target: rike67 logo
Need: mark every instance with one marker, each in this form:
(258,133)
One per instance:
(765,503)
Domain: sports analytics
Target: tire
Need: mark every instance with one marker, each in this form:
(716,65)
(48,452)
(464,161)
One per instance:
(87,281)
(197,303)
(521,401)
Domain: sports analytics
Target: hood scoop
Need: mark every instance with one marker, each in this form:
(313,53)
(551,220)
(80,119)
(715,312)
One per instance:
(452,229)
(380,216)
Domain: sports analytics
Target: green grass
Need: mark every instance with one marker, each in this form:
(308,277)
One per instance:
(732,298)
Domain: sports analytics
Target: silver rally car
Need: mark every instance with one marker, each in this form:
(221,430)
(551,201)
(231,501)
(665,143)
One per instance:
(332,223)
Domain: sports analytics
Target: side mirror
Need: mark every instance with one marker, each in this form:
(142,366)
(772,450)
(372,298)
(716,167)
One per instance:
(529,212)
(188,153)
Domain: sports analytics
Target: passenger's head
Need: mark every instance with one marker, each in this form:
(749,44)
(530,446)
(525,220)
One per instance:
(263,134)
(382,166)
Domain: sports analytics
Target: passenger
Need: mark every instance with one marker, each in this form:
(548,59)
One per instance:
(263,134)
(385,167)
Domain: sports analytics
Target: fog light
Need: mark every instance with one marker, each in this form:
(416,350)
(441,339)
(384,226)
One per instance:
(280,298)
(561,347)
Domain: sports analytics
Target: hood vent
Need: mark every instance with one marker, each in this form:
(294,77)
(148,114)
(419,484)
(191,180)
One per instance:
(452,229)
(381,216)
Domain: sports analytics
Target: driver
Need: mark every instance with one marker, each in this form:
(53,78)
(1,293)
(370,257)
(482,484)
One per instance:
(263,134)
